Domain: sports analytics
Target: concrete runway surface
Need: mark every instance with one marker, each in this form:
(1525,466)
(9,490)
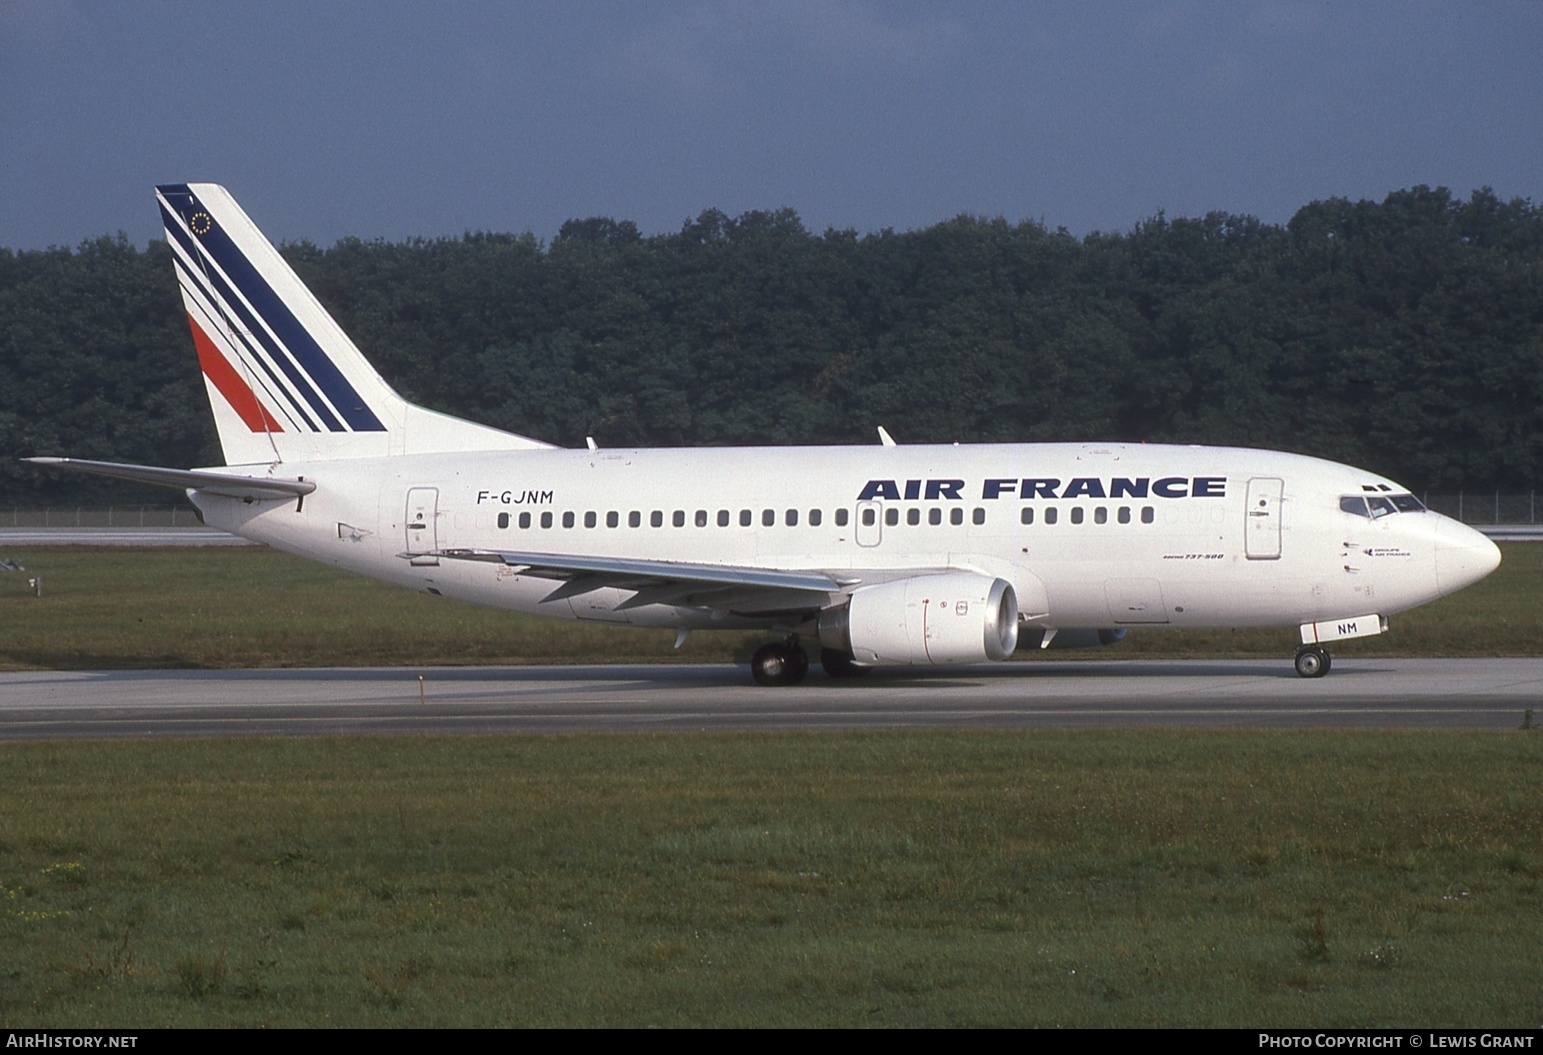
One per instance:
(132,537)
(1260,693)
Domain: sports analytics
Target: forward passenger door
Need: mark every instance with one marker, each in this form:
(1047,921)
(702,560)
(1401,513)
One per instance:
(1261,529)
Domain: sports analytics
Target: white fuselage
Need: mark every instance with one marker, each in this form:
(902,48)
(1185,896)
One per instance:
(1089,535)
(903,555)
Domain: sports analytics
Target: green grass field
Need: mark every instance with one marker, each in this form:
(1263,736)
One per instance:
(948,878)
(121,608)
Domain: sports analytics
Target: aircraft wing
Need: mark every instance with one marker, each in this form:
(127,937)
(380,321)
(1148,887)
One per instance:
(720,586)
(231,485)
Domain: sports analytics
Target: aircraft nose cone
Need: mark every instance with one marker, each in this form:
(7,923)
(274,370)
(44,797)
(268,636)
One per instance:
(1463,556)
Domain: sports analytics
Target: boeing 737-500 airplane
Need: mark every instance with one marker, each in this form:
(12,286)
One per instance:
(889,554)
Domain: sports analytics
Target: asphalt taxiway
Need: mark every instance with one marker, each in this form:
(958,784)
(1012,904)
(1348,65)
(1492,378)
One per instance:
(1359,693)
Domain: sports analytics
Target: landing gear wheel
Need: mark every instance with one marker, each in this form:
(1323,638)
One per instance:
(840,664)
(1312,662)
(779,663)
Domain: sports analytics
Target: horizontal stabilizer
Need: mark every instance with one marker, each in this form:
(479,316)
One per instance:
(228,484)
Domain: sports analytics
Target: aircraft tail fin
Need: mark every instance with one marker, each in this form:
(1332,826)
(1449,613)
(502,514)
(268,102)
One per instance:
(284,380)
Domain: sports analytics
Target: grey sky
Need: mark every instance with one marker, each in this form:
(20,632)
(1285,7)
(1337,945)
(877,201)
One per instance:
(399,119)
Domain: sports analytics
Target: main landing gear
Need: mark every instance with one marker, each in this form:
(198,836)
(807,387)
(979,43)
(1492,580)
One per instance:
(780,663)
(1312,661)
(786,663)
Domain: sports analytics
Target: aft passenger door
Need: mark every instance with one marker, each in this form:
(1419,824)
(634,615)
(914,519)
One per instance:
(1261,528)
(423,523)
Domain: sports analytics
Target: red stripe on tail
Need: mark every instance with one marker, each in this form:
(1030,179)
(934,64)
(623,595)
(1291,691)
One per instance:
(230,384)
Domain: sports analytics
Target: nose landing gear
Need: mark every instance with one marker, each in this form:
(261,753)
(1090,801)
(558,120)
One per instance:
(1312,661)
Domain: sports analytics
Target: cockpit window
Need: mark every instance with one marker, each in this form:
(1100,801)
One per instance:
(1375,506)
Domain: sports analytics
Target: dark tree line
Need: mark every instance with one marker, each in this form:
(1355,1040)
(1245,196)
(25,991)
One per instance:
(1405,336)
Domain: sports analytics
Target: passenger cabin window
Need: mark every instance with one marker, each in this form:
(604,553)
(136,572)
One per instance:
(744,518)
(913,517)
(768,517)
(891,517)
(841,517)
(503,520)
(524,520)
(934,517)
(868,518)
(634,519)
(567,520)
(1147,516)
(1026,515)
(701,518)
(612,519)
(679,519)
(546,520)
(1124,516)
(814,518)
(589,520)
(1100,515)
(978,516)
(1050,514)
(1076,514)
(956,516)
(656,518)
(723,518)
(790,518)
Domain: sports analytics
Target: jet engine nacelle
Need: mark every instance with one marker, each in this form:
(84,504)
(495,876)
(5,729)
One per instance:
(950,617)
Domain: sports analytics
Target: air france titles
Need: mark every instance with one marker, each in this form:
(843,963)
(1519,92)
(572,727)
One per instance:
(1030,488)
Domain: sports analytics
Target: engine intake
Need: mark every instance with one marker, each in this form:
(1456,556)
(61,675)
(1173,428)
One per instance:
(950,617)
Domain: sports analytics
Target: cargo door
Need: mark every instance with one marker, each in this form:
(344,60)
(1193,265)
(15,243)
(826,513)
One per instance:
(1135,601)
(600,605)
